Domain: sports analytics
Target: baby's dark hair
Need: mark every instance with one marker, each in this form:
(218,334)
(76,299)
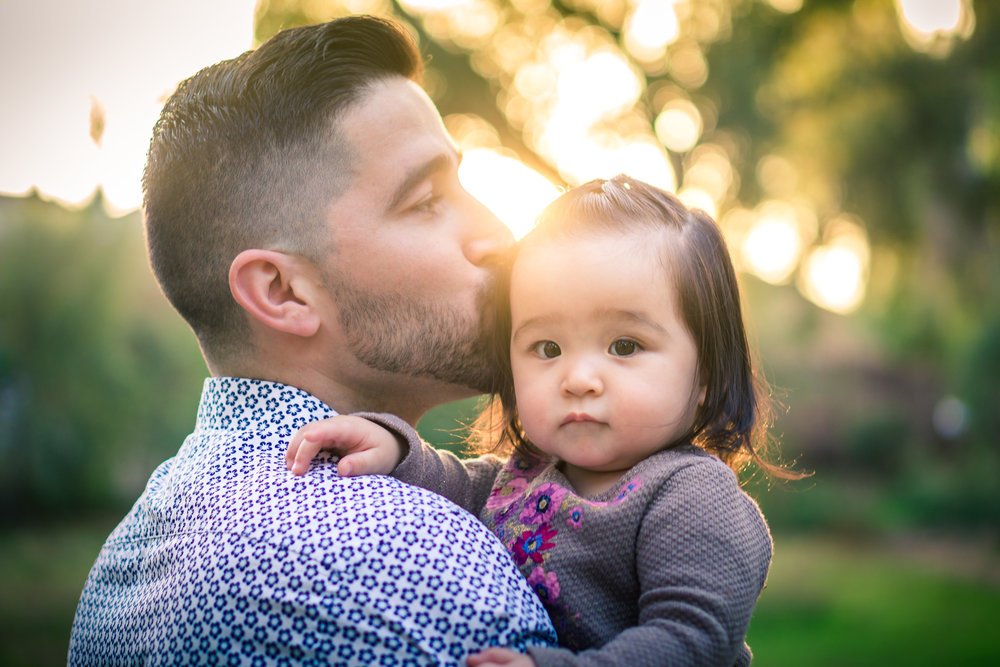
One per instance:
(732,421)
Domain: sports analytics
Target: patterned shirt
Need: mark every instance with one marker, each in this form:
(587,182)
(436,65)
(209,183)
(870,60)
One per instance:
(227,558)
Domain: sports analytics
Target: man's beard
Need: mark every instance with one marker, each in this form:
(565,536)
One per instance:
(398,334)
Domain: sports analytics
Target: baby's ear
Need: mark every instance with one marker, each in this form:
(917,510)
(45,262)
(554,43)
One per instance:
(277,290)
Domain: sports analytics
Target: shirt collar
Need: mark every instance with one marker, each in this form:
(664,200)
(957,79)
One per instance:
(242,404)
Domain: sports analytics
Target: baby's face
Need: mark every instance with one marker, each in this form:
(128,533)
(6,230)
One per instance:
(605,370)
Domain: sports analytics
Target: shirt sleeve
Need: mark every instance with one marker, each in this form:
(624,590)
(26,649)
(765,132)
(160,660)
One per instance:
(703,553)
(467,483)
(350,571)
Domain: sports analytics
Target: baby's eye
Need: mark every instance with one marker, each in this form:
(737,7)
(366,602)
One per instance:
(546,349)
(623,347)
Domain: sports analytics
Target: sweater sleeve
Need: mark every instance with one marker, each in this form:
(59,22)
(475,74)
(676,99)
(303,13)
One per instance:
(467,483)
(702,555)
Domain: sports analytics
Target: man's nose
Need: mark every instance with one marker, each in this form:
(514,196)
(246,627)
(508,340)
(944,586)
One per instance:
(489,239)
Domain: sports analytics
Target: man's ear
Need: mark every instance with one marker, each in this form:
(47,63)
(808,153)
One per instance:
(276,290)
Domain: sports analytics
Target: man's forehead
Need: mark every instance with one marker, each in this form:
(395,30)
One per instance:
(397,122)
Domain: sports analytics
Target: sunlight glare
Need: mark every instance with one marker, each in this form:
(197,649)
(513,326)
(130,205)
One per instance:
(602,84)
(930,16)
(123,154)
(932,25)
(835,274)
(834,278)
(650,28)
(772,247)
(709,169)
(428,6)
(514,192)
(595,156)
(786,6)
(679,125)
(695,197)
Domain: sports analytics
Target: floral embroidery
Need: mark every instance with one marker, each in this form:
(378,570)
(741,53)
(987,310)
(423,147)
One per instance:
(634,485)
(503,514)
(522,467)
(506,494)
(532,543)
(545,584)
(575,519)
(543,503)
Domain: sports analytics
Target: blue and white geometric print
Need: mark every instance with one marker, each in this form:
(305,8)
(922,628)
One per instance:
(227,558)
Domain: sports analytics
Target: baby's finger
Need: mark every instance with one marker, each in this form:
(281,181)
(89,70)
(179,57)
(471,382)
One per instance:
(305,451)
(293,448)
(312,431)
(367,462)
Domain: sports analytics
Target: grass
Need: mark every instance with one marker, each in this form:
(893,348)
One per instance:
(43,569)
(828,602)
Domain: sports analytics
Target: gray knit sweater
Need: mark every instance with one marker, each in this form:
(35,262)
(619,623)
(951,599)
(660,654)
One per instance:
(663,569)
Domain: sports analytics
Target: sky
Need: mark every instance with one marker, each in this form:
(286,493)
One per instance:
(63,61)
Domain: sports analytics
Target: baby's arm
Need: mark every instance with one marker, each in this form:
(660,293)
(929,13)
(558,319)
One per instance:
(366,448)
(379,443)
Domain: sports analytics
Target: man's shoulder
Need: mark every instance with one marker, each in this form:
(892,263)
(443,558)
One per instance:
(284,559)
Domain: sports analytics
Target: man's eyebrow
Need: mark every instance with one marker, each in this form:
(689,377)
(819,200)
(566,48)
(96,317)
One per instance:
(438,163)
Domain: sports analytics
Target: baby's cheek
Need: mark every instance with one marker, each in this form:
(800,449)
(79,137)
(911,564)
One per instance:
(531,408)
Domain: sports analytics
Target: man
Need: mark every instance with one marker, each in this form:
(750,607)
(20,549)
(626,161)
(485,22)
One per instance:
(304,215)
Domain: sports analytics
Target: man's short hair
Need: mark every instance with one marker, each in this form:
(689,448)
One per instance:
(246,154)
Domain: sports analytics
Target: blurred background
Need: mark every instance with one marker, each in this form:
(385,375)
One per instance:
(849,148)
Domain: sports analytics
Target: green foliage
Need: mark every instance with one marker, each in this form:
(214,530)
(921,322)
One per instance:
(831,602)
(828,602)
(98,379)
(447,426)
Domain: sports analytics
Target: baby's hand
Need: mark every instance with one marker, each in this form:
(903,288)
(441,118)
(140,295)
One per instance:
(499,657)
(365,447)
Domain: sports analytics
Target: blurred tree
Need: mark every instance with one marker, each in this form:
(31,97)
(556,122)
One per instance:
(98,379)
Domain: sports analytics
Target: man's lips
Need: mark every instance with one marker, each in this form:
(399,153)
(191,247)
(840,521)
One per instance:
(578,418)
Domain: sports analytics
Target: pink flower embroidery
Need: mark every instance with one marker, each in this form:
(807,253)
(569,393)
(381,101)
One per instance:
(634,485)
(532,543)
(575,519)
(545,584)
(542,504)
(506,494)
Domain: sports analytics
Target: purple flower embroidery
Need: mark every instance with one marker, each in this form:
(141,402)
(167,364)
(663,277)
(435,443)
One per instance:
(501,515)
(575,517)
(532,543)
(524,467)
(545,584)
(506,494)
(542,503)
(634,485)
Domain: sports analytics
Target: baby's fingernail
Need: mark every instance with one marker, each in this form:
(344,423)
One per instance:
(343,469)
